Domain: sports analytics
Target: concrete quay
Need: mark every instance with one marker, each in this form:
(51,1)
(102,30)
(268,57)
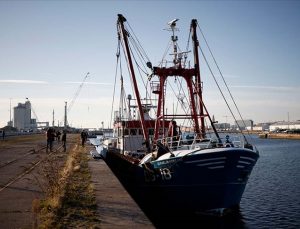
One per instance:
(115,206)
(19,166)
(280,136)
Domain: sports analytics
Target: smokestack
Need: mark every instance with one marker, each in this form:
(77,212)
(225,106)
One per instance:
(66,122)
(53,118)
(10,122)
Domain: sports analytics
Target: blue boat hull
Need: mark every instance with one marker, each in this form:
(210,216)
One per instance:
(195,183)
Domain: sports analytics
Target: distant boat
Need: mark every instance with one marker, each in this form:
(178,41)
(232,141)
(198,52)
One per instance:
(167,160)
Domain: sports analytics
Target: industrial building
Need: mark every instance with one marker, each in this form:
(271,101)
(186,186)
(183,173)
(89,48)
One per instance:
(222,126)
(285,126)
(22,117)
(262,127)
(244,124)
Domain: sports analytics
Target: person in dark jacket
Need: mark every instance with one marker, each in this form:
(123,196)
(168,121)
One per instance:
(83,137)
(58,135)
(50,138)
(64,140)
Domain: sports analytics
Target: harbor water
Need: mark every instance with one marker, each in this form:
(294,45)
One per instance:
(272,196)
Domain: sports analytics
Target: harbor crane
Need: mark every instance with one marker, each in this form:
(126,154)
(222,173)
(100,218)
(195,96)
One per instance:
(77,92)
(75,97)
(33,111)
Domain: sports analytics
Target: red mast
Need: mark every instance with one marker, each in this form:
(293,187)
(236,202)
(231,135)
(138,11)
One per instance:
(194,86)
(121,20)
(197,73)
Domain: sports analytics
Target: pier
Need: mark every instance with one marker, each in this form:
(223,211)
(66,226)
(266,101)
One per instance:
(21,160)
(280,136)
(115,206)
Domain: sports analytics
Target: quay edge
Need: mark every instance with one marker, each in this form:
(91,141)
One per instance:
(280,136)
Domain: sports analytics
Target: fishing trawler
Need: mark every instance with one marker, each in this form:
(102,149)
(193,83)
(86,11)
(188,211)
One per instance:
(172,161)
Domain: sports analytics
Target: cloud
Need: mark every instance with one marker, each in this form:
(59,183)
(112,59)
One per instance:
(45,82)
(231,76)
(277,88)
(24,81)
(89,83)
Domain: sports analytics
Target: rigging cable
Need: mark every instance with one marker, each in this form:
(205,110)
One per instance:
(139,68)
(181,80)
(224,81)
(138,65)
(187,47)
(185,110)
(133,56)
(165,53)
(138,42)
(216,82)
(116,72)
(230,110)
(140,55)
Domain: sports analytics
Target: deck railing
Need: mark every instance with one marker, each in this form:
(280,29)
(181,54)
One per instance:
(176,143)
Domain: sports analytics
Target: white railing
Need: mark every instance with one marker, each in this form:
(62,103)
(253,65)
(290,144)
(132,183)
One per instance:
(196,143)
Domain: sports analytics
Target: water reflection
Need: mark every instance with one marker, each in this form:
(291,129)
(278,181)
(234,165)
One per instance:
(233,219)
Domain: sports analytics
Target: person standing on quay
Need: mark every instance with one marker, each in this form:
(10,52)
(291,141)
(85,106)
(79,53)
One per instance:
(3,134)
(50,138)
(83,137)
(58,135)
(64,140)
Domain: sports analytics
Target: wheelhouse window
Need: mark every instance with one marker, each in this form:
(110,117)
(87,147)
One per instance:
(140,131)
(151,131)
(126,132)
(133,131)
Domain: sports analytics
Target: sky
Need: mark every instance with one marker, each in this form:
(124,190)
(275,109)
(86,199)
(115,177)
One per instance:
(48,47)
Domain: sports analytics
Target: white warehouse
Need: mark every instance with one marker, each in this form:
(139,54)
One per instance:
(285,125)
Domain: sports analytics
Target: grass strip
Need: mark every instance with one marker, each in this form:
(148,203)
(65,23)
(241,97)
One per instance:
(73,204)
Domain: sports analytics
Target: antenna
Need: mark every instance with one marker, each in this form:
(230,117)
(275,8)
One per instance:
(177,55)
(173,22)
(174,39)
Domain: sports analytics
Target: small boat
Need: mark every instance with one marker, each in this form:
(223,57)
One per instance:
(172,161)
(94,133)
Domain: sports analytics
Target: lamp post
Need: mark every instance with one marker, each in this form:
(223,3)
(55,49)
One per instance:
(288,120)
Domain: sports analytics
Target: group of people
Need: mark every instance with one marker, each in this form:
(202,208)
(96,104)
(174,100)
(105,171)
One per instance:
(52,135)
